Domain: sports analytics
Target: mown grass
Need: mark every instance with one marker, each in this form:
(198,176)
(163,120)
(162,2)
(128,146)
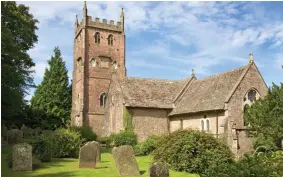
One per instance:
(65,167)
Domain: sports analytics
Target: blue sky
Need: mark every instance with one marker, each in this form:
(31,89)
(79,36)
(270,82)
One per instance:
(167,39)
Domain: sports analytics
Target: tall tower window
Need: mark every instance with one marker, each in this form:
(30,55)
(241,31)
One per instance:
(207,125)
(93,62)
(79,64)
(110,40)
(102,99)
(202,125)
(97,38)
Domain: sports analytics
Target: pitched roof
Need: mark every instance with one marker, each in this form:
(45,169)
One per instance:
(208,93)
(154,93)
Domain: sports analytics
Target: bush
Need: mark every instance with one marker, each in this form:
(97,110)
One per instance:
(147,146)
(66,143)
(191,151)
(86,133)
(107,140)
(125,138)
(259,165)
(42,147)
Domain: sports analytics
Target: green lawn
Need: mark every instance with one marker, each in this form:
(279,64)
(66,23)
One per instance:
(69,167)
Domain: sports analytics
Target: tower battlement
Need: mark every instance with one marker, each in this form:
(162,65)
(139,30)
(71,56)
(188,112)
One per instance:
(97,23)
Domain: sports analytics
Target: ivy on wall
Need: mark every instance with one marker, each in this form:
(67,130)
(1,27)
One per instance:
(127,120)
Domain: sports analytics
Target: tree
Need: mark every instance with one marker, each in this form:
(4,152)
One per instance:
(52,98)
(265,118)
(17,37)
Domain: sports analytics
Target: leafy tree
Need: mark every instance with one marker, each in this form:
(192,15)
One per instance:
(17,37)
(265,118)
(52,99)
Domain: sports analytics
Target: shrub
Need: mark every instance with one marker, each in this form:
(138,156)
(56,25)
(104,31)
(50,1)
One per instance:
(259,165)
(66,143)
(42,147)
(147,146)
(86,133)
(107,140)
(191,151)
(125,138)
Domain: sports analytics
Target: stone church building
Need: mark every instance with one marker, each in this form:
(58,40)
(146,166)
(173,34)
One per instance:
(102,91)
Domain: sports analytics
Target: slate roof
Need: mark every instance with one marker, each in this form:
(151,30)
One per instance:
(208,93)
(154,93)
(202,95)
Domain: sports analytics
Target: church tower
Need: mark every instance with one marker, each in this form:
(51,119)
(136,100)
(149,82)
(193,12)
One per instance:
(99,51)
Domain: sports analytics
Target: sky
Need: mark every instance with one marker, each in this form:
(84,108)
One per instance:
(167,40)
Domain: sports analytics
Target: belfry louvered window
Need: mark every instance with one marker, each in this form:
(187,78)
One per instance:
(102,99)
(110,40)
(97,38)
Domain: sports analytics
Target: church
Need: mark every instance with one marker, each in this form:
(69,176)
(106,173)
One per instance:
(102,91)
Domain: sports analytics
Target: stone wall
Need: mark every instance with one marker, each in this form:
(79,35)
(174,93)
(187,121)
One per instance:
(216,120)
(253,80)
(149,122)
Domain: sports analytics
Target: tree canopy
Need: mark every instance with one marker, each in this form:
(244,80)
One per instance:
(265,118)
(52,98)
(18,28)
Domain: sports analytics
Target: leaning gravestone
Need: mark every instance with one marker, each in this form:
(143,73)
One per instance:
(159,169)
(87,158)
(22,157)
(125,161)
(14,136)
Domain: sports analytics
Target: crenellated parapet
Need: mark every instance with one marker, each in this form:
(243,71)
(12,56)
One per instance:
(97,23)
(104,24)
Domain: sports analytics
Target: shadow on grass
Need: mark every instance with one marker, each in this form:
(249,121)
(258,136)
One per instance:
(142,172)
(101,167)
(60,174)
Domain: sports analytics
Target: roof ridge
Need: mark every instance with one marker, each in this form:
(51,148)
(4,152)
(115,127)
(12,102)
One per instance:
(220,74)
(154,79)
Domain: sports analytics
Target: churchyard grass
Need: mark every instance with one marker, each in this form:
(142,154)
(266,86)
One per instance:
(65,167)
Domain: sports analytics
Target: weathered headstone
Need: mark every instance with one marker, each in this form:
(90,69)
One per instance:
(96,146)
(26,131)
(22,157)
(14,136)
(159,169)
(87,158)
(125,161)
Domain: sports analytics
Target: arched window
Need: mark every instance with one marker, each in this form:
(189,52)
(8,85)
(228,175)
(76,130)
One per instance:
(114,65)
(93,62)
(102,99)
(202,125)
(181,124)
(110,40)
(79,64)
(207,125)
(97,37)
(252,95)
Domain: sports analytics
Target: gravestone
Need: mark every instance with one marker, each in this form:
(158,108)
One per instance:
(125,161)
(22,157)
(159,169)
(14,136)
(96,146)
(87,158)
(26,131)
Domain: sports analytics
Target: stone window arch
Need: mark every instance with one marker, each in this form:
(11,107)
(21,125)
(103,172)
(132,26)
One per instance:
(79,64)
(94,63)
(102,99)
(110,40)
(202,125)
(207,125)
(252,95)
(97,38)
